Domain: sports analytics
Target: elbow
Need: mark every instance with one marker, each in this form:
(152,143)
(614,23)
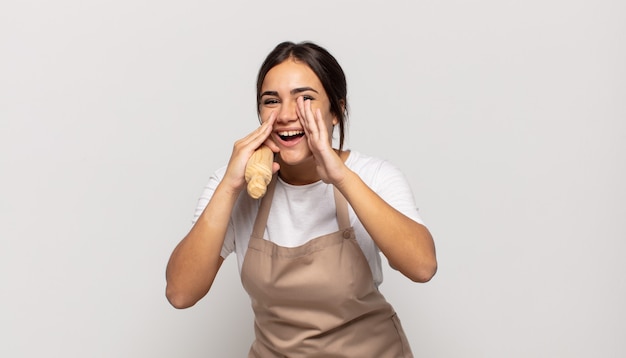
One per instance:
(423,266)
(178,299)
(424,272)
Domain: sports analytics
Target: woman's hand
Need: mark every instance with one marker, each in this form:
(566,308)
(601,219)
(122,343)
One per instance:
(242,151)
(330,167)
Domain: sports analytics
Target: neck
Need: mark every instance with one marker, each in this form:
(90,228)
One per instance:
(299,174)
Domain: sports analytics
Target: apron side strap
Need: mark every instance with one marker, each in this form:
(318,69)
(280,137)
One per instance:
(341,205)
(258,230)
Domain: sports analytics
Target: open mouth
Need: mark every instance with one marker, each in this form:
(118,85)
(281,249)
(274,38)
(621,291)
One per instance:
(290,135)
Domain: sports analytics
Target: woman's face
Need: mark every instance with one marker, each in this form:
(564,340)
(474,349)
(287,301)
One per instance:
(282,86)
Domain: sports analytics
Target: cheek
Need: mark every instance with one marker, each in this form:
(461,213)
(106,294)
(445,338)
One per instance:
(264,114)
(332,119)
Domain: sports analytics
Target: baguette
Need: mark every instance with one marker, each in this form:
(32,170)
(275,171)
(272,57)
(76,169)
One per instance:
(258,173)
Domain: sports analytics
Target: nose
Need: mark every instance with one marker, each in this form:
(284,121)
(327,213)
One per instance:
(287,112)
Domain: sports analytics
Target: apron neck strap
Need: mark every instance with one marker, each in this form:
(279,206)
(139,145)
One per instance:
(264,209)
(341,205)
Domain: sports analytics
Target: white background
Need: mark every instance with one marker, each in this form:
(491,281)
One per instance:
(508,118)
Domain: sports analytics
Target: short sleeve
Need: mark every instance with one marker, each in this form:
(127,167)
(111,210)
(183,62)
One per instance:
(394,188)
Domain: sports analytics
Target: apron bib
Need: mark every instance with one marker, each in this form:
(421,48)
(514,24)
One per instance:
(318,299)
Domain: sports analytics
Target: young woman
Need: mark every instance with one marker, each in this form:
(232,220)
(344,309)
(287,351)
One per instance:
(308,251)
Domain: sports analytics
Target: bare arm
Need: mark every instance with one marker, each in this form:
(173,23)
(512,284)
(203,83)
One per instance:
(408,245)
(195,261)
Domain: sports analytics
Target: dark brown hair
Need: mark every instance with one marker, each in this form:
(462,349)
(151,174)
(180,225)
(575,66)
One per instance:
(323,64)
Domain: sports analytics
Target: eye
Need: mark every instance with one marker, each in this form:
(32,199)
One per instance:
(270,101)
(305,97)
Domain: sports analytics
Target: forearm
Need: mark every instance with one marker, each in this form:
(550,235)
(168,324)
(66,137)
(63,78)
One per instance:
(195,261)
(408,245)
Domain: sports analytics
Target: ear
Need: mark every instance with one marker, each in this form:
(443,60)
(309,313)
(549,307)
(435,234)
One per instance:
(342,103)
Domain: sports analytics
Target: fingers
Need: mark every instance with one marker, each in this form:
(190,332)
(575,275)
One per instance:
(269,126)
(312,120)
(260,134)
(243,150)
(300,112)
(266,127)
(272,145)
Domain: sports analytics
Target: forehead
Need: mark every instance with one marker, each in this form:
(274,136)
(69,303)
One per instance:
(291,74)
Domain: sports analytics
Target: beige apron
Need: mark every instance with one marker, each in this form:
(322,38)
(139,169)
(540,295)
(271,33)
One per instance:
(317,299)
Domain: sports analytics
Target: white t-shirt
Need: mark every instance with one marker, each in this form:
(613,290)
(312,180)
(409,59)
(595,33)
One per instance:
(302,212)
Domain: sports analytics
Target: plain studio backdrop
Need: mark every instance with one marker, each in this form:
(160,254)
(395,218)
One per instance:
(507,117)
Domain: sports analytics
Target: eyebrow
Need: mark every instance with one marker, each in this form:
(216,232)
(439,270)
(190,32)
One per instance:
(293,91)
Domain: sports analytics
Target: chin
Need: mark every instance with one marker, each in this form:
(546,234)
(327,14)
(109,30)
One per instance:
(295,158)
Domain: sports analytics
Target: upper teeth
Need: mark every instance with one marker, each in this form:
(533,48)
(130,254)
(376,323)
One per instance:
(289,133)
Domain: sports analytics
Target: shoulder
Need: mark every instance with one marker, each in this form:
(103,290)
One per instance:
(358,161)
(386,180)
(374,171)
(244,203)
